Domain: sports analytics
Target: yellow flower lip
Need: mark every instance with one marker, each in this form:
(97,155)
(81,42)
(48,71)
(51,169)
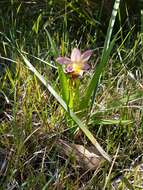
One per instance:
(76,65)
(77,70)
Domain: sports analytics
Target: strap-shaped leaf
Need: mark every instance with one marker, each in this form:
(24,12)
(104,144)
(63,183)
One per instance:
(108,46)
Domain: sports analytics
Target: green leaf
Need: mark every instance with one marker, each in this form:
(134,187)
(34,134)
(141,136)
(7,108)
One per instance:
(109,121)
(52,43)
(35,27)
(142,26)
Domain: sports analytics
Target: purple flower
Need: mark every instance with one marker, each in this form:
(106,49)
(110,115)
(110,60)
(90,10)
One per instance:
(77,64)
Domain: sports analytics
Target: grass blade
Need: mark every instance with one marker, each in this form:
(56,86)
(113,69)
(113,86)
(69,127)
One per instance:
(35,27)
(109,122)
(142,26)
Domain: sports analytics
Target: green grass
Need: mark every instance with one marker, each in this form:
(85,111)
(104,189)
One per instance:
(34,98)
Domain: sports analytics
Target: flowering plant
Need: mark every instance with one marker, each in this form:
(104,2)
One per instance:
(77,64)
(75,67)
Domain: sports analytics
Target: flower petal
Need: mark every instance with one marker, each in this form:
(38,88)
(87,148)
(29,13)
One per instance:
(86,55)
(69,69)
(86,66)
(63,60)
(75,55)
